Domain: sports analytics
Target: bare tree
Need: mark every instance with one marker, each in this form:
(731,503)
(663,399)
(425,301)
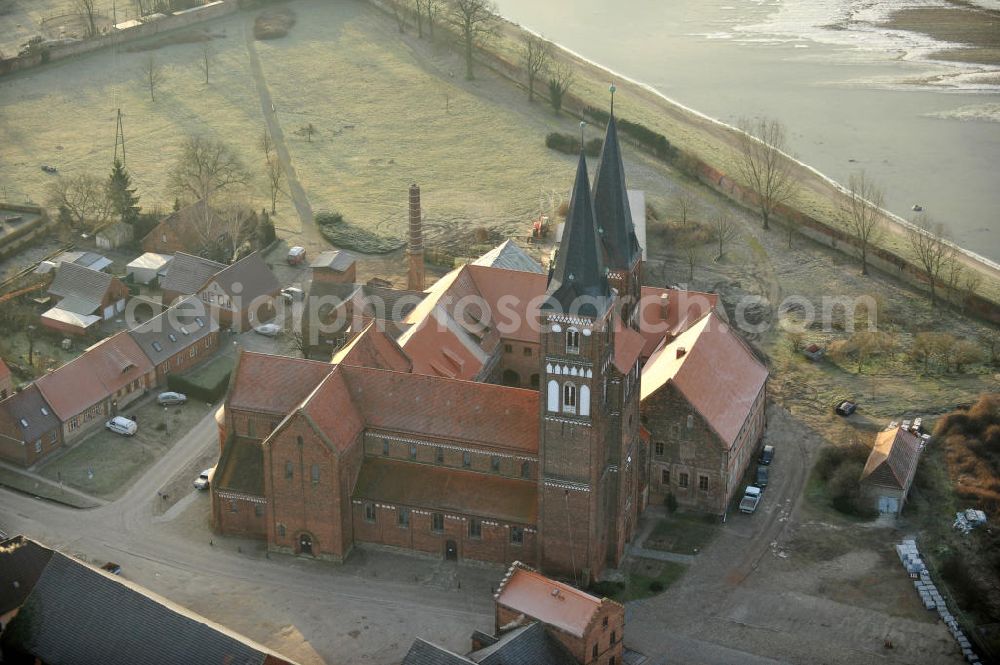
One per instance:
(691,252)
(399,13)
(475,21)
(205,167)
(87,11)
(685,207)
(307,130)
(152,74)
(922,349)
(970,285)
(275,175)
(419,11)
(965,352)
(724,230)
(763,166)
(933,253)
(560,79)
(990,339)
(266,144)
(535,55)
(82,200)
(207,58)
(864,214)
(433,8)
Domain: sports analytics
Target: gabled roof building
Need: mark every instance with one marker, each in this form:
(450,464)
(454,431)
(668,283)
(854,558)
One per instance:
(493,416)
(65,611)
(889,471)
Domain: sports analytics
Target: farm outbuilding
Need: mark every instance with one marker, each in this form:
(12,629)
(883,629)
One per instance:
(889,471)
(114,236)
(67,322)
(148,267)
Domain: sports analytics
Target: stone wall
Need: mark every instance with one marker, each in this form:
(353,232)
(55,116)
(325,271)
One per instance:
(171,22)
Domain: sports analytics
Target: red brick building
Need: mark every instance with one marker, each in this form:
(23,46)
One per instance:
(703,402)
(539,621)
(29,430)
(496,417)
(89,389)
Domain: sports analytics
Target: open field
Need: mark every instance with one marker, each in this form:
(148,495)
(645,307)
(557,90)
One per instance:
(391,110)
(64,113)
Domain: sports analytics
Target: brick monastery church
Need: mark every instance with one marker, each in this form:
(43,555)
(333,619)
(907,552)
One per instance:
(469,434)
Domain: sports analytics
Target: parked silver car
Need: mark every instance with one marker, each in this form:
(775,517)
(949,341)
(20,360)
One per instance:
(169,398)
(204,479)
(268,329)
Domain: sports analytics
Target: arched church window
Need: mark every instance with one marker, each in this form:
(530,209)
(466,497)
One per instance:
(572,341)
(553,396)
(569,397)
(584,400)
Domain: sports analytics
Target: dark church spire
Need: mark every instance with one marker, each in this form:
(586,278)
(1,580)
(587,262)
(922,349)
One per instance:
(579,283)
(614,218)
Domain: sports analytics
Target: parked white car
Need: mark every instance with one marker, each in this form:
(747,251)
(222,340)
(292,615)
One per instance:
(168,398)
(204,479)
(122,425)
(268,329)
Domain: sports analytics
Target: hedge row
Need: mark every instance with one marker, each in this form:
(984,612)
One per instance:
(570,145)
(208,389)
(654,141)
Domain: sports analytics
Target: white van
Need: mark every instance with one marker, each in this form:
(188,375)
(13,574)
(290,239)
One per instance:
(123,426)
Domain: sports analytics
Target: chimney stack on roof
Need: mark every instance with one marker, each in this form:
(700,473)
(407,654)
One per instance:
(415,248)
(681,351)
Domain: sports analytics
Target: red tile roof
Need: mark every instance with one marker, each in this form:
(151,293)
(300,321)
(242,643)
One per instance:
(628,347)
(893,460)
(439,346)
(514,297)
(683,309)
(98,373)
(495,416)
(452,490)
(554,603)
(718,375)
(273,384)
(332,412)
(373,348)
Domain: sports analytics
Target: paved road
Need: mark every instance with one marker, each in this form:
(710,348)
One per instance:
(269,111)
(318,601)
(725,610)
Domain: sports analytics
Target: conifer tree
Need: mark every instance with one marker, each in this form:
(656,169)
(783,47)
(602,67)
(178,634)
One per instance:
(124,202)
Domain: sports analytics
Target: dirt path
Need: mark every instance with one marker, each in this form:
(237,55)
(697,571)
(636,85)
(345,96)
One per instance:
(270,114)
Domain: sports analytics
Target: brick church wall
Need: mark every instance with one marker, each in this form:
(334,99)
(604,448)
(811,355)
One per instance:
(303,487)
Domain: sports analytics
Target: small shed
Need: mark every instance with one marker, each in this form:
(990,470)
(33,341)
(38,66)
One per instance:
(114,236)
(890,469)
(67,322)
(148,267)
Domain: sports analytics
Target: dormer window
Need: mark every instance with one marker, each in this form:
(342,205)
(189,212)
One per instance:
(572,341)
(172,337)
(45,411)
(199,321)
(157,347)
(184,330)
(24,423)
(569,398)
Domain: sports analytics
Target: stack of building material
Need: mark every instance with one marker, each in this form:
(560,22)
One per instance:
(932,599)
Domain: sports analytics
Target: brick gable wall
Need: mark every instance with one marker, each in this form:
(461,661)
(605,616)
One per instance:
(697,452)
(302,501)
